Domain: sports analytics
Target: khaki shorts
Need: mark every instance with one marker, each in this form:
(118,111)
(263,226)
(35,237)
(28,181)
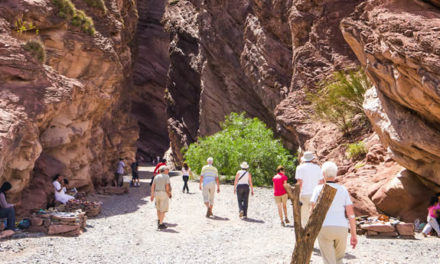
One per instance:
(162,201)
(208,192)
(281,199)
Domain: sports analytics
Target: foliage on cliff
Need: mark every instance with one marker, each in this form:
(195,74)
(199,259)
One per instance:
(36,48)
(67,10)
(242,139)
(339,100)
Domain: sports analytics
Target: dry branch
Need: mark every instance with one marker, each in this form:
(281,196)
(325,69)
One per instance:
(305,237)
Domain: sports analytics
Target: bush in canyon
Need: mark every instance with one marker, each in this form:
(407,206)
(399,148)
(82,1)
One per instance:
(242,139)
(67,10)
(339,100)
(97,4)
(36,48)
(356,150)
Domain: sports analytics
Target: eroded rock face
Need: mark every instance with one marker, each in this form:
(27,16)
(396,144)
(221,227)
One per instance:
(398,43)
(70,115)
(150,69)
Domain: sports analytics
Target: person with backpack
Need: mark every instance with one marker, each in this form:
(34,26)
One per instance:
(156,169)
(135,173)
(243,179)
(6,209)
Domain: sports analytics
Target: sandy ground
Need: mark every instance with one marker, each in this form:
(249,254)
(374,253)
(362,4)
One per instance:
(126,232)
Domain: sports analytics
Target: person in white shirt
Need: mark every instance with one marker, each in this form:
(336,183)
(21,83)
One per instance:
(60,190)
(186,173)
(308,175)
(243,180)
(332,237)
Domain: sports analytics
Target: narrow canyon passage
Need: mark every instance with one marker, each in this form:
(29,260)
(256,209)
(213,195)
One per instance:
(125,232)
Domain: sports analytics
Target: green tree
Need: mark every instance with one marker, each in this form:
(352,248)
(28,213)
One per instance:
(340,99)
(242,139)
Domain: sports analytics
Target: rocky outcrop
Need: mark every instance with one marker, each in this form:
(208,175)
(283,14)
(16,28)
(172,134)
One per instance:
(397,42)
(150,68)
(70,114)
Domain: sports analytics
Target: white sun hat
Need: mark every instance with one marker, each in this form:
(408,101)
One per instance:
(244,165)
(308,156)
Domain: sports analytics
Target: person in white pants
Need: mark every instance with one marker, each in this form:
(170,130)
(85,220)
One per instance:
(332,237)
(433,213)
(308,175)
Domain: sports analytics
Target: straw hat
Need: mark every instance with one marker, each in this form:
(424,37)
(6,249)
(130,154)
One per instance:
(308,156)
(244,165)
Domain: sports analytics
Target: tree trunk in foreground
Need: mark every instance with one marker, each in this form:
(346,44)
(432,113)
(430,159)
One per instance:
(305,237)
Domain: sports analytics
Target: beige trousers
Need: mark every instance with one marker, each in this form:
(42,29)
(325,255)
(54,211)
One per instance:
(305,209)
(332,243)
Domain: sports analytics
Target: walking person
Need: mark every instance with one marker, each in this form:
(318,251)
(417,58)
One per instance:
(243,179)
(161,191)
(120,170)
(280,194)
(186,172)
(135,173)
(163,162)
(332,237)
(209,177)
(433,216)
(308,175)
(7,210)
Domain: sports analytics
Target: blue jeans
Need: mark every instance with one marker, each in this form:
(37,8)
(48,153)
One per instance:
(8,213)
(185,182)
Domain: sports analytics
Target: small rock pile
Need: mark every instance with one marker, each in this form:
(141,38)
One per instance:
(57,223)
(91,209)
(384,226)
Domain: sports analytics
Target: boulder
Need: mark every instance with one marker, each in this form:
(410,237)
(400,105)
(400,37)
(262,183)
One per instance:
(379,228)
(61,229)
(405,229)
(6,234)
(405,196)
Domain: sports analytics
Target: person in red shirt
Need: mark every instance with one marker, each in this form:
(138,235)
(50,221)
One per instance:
(156,170)
(280,194)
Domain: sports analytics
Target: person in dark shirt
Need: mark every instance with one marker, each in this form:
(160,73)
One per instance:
(6,209)
(135,173)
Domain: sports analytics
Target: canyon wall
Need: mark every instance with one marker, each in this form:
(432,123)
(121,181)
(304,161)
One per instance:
(69,114)
(150,69)
(397,42)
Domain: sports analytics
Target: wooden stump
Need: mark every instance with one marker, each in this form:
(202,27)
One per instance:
(305,237)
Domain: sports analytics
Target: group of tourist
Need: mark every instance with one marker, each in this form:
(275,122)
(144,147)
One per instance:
(339,220)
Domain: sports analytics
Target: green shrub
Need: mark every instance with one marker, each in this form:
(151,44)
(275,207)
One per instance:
(67,10)
(242,139)
(340,99)
(36,48)
(97,4)
(356,150)
(24,26)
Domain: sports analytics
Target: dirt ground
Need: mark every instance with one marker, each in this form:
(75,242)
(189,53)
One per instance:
(126,232)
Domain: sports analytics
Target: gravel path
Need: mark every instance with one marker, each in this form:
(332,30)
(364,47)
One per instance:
(126,232)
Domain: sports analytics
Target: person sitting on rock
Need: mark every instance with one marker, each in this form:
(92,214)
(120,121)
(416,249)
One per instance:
(60,190)
(433,214)
(6,209)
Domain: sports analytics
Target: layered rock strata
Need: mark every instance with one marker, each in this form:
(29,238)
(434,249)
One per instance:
(397,42)
(70,114)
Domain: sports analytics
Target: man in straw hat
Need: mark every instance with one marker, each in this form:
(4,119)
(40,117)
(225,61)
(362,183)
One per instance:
(309,175)
(209,177)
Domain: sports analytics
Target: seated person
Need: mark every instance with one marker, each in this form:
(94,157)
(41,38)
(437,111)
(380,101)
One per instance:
(6,209)
(72,191)
(60,190)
